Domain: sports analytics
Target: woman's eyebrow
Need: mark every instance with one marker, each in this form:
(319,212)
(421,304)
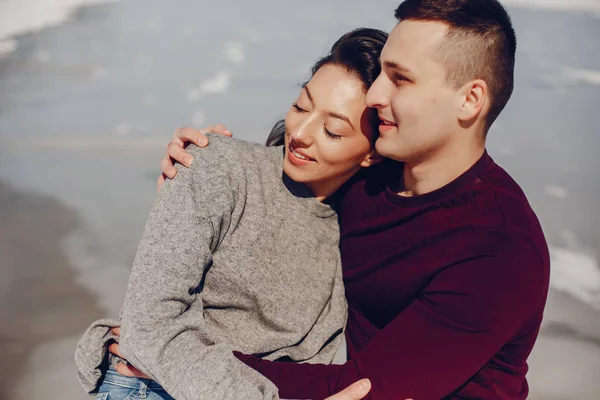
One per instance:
(330,113)
(340,116)
(308,93)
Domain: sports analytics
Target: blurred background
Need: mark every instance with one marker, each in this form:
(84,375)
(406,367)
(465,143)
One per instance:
(91,92)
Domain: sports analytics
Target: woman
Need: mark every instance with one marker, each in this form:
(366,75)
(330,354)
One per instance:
(240,252)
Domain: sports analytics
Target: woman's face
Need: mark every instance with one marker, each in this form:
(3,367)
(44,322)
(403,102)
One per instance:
(329,131)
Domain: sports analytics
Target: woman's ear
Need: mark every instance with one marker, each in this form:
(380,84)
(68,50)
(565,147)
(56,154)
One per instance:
(371,159)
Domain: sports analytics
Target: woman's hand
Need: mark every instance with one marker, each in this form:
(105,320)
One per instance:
(122,368)
(176,149)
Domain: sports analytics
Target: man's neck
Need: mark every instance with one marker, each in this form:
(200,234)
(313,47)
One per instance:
(439,169)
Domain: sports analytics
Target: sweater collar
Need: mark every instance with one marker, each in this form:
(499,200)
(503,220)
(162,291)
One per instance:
(321,209)
(439,194)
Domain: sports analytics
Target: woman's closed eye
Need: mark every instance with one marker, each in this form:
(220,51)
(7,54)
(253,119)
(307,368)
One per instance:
(331,134)
(297,108)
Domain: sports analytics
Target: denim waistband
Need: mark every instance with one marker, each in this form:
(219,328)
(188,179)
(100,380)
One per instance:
(114,378)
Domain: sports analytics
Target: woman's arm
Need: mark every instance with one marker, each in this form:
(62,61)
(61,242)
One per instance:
(163,332)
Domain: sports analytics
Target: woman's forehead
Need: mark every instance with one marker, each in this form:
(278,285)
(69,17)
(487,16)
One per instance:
(335,84)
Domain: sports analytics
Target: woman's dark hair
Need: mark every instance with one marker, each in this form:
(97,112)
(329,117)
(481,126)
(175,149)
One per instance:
(358,52)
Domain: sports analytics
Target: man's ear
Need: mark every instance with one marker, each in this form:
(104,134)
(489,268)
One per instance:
(474,95)
(371,159)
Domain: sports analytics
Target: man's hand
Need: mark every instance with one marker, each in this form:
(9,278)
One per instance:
(356,391)
(176,149)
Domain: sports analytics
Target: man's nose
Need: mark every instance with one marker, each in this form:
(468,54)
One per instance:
(378,95)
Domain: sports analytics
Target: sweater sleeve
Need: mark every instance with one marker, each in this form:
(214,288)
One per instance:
(463,317)
(190,217)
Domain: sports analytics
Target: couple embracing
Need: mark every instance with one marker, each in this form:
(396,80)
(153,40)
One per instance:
(374,214)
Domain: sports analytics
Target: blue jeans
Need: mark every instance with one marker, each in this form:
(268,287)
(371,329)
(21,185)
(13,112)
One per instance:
(118,387)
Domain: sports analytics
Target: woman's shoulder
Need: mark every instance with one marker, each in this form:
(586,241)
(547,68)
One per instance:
(234,149)
(234,157)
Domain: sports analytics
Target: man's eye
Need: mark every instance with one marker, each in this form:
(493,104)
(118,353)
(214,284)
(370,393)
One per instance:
(400,78)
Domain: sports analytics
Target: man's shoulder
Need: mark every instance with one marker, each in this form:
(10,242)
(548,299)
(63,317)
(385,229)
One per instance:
(503,196)
(506,192)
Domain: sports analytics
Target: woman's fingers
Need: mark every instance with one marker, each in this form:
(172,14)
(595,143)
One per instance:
(131,371)
(114,349)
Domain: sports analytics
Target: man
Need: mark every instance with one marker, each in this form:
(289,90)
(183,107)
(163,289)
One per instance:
(445,264)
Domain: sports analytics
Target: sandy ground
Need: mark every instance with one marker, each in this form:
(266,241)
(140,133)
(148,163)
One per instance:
(565,363)
(41,307)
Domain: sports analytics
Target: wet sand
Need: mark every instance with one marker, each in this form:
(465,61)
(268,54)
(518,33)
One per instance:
(565,362)
(40,303)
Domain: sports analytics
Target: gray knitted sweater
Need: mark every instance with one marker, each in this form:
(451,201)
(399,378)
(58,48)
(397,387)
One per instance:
(235,256)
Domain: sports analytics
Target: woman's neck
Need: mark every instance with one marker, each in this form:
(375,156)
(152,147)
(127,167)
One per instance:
(324,190)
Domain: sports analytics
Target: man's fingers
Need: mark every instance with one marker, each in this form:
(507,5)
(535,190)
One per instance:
(167,168)
(116,330)
(178,153)
(114,348)
(356,391)
(131,371)
(196,136)
(219,129)
(176,149)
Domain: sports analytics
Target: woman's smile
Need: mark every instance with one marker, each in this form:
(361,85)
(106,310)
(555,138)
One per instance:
(297,156)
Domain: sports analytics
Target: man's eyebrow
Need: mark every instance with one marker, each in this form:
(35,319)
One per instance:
(394,65)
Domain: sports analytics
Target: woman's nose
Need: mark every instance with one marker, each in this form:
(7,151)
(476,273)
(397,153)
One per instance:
(304,133)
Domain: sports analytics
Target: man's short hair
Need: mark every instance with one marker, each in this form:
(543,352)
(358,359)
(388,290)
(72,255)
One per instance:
(480,44)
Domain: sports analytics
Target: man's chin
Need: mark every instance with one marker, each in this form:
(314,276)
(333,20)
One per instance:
(388,149)
(384,147)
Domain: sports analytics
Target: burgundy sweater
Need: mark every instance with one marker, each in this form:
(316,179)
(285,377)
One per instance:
(446,292)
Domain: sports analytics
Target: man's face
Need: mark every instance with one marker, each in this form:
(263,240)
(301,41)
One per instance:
(417,107)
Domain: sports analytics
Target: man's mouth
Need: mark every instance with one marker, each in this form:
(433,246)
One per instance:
(385,122)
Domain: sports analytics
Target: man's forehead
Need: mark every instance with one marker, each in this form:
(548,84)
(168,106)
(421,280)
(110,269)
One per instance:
(413,38)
